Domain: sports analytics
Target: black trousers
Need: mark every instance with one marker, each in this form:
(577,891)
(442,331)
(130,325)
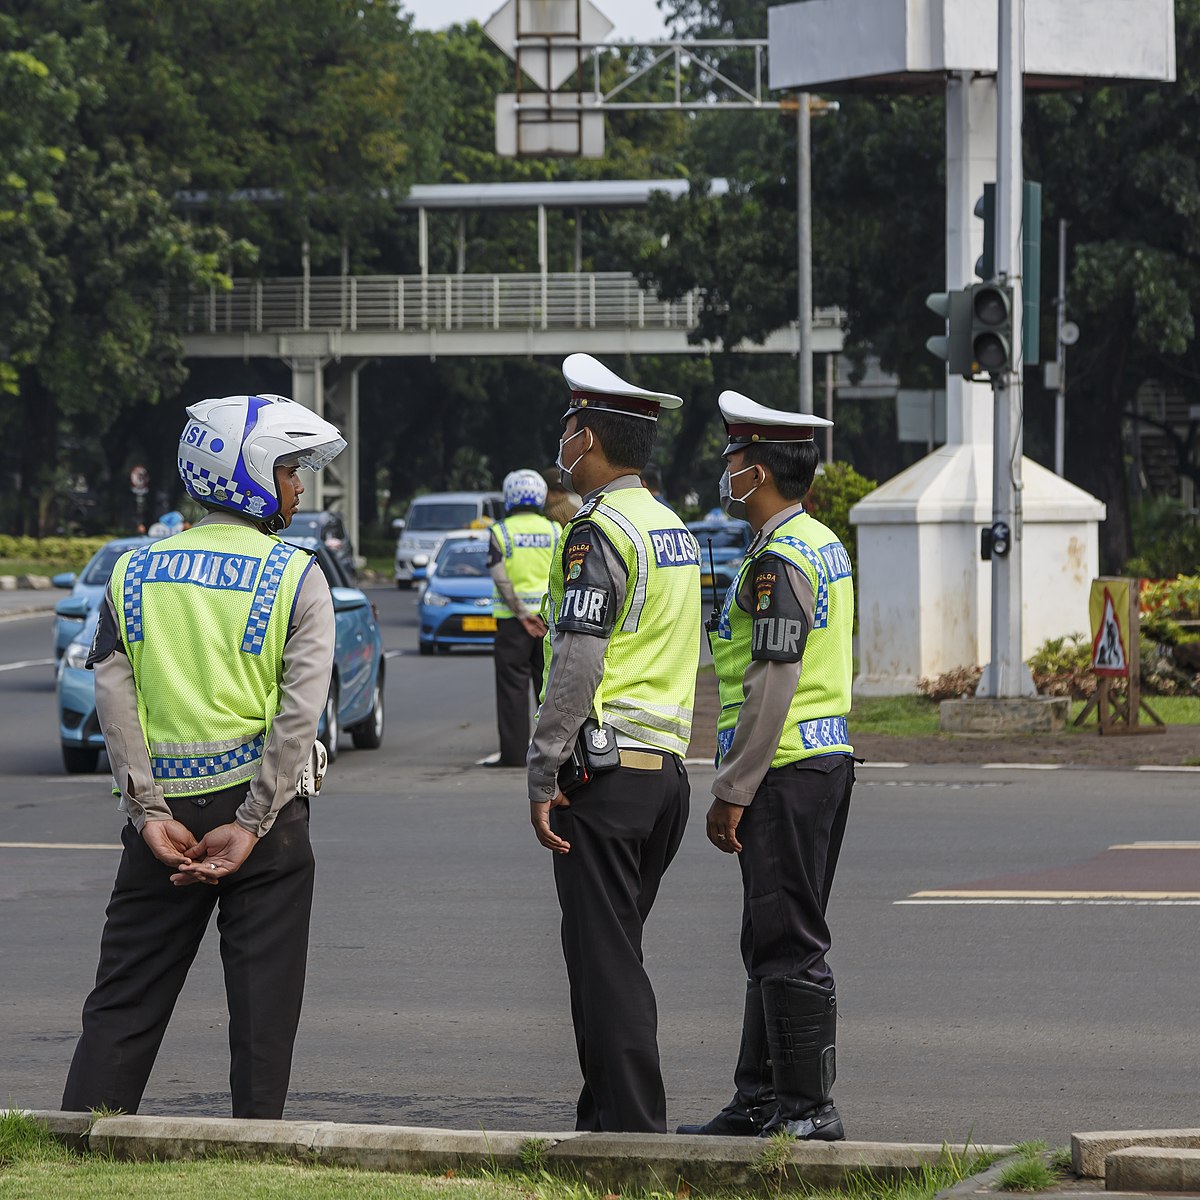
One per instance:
(152,933)
(518,663)
(624,828)
(791,837)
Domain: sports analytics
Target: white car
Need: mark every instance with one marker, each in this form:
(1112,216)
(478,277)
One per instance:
(431,519)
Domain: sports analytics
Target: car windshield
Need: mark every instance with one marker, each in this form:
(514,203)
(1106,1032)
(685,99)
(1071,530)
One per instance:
(100,569)
(442,516)
(305,525)
(723,536)
(461,560)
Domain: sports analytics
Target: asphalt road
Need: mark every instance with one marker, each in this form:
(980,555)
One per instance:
(436,991)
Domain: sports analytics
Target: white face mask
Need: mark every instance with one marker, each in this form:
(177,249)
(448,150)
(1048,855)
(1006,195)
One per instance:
(562,466)
(731,505)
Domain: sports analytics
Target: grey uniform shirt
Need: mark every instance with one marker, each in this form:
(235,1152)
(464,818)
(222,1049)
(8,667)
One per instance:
(577,657)
(307,660)
(769,685)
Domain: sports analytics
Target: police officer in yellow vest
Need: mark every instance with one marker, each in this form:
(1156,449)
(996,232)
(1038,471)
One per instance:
(212,657)
(782,652)
(607,788)
(521,548)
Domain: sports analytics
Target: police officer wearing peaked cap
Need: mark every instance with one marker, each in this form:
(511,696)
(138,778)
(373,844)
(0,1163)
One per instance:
(212,658)
(782,652)
(623,647)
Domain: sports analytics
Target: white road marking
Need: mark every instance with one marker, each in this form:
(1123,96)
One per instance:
(1182,770)
(1144,902)
(1156,846)
(883,766)
(58,846)
(29,662)
(1004,766)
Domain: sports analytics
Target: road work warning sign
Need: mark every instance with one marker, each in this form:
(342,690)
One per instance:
(1110,612)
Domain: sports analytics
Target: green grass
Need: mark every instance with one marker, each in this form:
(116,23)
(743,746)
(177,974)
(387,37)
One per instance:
(1037,1169)
(33,1165)
(915,716)
(29,566)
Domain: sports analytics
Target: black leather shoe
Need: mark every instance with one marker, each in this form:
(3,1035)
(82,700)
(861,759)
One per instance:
(733,1122)
(824,1125)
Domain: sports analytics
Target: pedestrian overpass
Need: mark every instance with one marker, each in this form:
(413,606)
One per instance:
(326,328)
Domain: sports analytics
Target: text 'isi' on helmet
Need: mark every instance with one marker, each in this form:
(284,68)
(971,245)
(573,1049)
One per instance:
(524,488)
(229,448)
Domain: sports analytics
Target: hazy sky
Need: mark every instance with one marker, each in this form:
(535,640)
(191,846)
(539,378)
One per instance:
(634,19)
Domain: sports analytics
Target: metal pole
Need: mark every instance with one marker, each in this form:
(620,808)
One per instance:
(804,250)
(1060,353)
(1007,675)
(829,361)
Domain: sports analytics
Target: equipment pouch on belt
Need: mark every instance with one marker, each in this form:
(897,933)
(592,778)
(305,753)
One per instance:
(313,775)
(594,752)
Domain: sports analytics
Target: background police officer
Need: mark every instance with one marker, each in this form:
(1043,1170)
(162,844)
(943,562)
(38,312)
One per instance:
(624,616)
(782,652)
(212,658)
(520,550)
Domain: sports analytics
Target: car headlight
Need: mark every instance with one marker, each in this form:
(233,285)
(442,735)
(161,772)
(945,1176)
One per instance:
(434,599)
(483,602)
(76,655)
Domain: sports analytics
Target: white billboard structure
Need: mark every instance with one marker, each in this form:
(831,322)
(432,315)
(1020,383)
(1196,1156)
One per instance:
(924,594)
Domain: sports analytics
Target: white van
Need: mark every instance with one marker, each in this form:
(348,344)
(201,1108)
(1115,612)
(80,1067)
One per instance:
(433,516)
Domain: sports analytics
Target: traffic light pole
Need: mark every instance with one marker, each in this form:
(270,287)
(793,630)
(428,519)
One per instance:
(804,249)
(1007,676)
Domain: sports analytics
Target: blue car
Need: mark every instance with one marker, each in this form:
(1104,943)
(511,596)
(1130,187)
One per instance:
(730,541)
(455,608)
(71,613)
(355,701)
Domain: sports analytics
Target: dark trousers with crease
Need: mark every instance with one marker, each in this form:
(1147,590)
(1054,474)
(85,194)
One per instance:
(518,663)
(151,935)
(624,828)
(791,837)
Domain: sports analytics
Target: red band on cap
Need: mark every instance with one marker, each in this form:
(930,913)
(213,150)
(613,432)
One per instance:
(622,404)
(770,433)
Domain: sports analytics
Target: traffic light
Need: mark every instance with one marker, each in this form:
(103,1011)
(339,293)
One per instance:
(955,344)
(991,327)
(985,207)
(1031,259)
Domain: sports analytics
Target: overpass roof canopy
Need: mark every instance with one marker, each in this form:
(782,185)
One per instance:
(587,193)
(912,45)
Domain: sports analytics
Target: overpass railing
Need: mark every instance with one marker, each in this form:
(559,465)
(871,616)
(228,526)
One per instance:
(399,303)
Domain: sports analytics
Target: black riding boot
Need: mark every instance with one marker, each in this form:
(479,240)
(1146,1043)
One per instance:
(801,1027)
(754,1101)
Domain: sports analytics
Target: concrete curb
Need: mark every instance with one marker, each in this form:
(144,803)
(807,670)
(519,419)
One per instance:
(606,1161)
(1090,1150)
(1153,1169)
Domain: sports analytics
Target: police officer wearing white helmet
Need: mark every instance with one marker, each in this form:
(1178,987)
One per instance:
(212,657)
(781,649)
(520,550)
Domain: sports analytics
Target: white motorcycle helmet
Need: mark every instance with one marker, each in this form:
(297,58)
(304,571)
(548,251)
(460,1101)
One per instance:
(524,488)
(229,449)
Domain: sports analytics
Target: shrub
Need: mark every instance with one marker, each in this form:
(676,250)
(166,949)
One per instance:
(835,491)
(75,551)
(1166,539)
(1062,667)
(953,685)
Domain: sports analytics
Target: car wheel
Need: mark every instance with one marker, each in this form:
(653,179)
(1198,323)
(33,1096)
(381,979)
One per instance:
(404,585)
(80,760)
(368,734)
(424,649)
(333,729)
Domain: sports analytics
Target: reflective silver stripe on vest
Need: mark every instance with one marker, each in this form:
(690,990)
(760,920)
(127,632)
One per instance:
(642,733)
(503,531)
(264,598)
(131,592)
(631,531)
(198,772)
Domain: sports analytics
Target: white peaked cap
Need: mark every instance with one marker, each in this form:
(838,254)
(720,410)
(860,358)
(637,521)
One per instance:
(749,422)
(594,387)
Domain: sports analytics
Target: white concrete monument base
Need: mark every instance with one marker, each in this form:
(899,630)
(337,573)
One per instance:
(924,594)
